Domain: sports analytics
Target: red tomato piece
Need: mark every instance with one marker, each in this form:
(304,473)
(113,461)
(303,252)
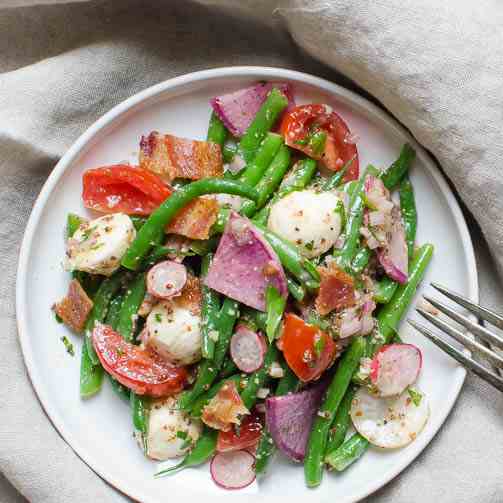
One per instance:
(141,370)
(123,188)
(249,430)
(307,349)
(304,129)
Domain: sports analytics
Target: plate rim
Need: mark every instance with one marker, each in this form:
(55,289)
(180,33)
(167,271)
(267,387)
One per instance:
(350,97)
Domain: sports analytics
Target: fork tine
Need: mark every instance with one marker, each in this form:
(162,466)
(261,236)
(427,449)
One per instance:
(469,363)
(474,346)
(472,327)
(480,312)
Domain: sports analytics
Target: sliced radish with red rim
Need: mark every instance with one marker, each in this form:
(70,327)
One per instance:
(389,422)
(247,349)
(233,470)
(395,367)
(166,279)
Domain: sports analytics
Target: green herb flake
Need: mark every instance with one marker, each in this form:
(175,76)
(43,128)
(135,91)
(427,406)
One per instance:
(319,345)
(58,318)
(415,396)
(68,345)
(181,434)
(309,246)
(317,142)
(303,141)
(87,233)
(97,246)
(158,317)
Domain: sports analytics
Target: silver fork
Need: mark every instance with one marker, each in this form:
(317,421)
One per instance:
(488,337)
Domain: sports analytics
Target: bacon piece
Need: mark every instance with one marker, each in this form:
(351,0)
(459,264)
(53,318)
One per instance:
(191,296)
(196,219)
(337,290)
(172,157)
(225,408)
(75,307)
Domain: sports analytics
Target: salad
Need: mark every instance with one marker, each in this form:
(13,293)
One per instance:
(243,293)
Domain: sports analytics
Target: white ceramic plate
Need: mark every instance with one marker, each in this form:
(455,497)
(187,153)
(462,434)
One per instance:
(99,430)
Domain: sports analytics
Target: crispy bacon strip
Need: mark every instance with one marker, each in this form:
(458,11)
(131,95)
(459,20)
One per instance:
(191,296)
(75,307)
(225,408)
(172,157)
(196,219)
(337,290)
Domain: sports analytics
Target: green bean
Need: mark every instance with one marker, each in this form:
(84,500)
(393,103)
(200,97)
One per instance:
(409,213)
(112,317)
(269,181)
(384,290)
(91,375)
(229,151)
(266,447)
(203,246)
(228,368)
(133,299)
(290,257)
(138,221)
(336,180)
(257,319)
(198,406)
(361,260)
(275,305)
(140,409)
(209,311)
(104,295)
(255,168)
(390,314)
(264,120)
(208,369)
(120,390)
(350,187)
(217,133)
(259,377)
(159,253)
(392,176)
(203,449)
(298,292)
(298,179)
(341,423)
(349,452)
(313,462)
(162,216)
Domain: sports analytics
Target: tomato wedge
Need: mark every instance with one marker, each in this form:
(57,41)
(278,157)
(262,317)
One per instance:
(307,349)
(123,188)
(323,135)
(249,434)
(140,370)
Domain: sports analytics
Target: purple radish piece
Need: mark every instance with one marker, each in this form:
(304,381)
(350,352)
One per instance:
(244,264)
(238,109)
(289,419)
(394,257)
(166,279)
(233,469)
(247,349)
(395,367)
(377,195)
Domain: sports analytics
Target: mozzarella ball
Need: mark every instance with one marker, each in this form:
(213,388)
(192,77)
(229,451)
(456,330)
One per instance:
(98,246)
(174,332)
(309,219)
(171,432)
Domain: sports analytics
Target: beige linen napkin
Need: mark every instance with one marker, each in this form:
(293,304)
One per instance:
(437,66)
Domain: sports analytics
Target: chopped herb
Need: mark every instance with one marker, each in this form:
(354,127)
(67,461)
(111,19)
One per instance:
(309,246)
(303,141)
(120,352)
(339,208)
(158,317)
(58,318)
(97,246)
(87,233)
(415,396)
(315,319)
(68,345)
(181,434)
(317,142)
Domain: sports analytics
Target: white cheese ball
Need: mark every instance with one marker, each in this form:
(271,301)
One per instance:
(309,219)
(171,432)
(98,246)
(174,332)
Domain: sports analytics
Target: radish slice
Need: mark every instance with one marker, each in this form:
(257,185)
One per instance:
(389,422)
(247,349)
(395,367)
(166,279)
(394,258)
(233,469)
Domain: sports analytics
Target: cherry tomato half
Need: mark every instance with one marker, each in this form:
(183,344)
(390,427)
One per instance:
(246,435)
(123,188)
(323,135)
(307,349)
(140,370)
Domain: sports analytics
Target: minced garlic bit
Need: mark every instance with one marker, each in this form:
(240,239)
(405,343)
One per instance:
(276,370)
(263,392)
